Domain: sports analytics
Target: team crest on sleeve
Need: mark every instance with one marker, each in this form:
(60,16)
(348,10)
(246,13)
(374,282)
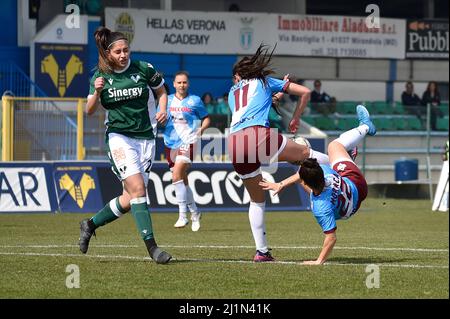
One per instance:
(191,102)
(341,167)
(155,77)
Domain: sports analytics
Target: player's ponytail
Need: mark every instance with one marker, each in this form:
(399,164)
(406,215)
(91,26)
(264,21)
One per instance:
(104,40)
(256,66)
(312,174)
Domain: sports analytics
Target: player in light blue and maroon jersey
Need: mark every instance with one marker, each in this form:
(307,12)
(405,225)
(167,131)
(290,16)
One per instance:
(252,142)
(336,192)
(187,120)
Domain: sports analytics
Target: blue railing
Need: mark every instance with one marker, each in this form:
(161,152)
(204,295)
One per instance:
(16,82)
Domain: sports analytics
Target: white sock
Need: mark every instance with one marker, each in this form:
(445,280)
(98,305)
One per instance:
(256,216)
(321,157)
(353,137)
(190,200)
(180,193)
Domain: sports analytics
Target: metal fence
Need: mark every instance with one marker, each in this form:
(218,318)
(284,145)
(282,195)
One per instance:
(36,129)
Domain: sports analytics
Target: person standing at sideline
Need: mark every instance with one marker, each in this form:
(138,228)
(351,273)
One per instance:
(123,87)
(187,120)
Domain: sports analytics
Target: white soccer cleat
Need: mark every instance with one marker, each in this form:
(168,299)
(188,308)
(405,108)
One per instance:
(181,222)
(195,218)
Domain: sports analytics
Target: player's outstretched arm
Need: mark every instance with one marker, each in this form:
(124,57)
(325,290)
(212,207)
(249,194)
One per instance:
(278,187)
(304,93)
(328,244)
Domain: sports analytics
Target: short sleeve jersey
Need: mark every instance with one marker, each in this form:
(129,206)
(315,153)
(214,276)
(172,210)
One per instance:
(184,120)
(250,102)
(128,99)
(338,199)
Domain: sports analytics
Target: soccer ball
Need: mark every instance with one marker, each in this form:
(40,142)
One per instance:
(301,140)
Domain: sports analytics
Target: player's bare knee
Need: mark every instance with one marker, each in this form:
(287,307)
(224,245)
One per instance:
(137,190)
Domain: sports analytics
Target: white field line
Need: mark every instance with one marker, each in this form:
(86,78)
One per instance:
(298,263)
(237,247)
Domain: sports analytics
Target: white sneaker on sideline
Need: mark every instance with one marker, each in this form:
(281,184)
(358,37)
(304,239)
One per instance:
(195,218)
(181,222)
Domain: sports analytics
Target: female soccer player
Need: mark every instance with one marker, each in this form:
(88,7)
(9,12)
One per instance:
(252,143)
(187,120)
(122,87)
(336,192)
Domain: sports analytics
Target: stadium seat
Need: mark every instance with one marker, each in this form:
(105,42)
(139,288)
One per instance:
(442,124)
(384,124)
(400,124)
(398,108)
(345,124)
(346,107)
(414,124)
(325,123)
(381,107)
(444,108)
(308,119)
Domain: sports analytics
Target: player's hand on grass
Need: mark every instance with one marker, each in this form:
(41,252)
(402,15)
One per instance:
(268,186)
(311,262)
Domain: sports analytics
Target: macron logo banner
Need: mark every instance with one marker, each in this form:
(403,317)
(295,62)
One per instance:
(25,189)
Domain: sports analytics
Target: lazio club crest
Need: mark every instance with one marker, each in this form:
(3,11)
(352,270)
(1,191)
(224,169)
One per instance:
(246,33)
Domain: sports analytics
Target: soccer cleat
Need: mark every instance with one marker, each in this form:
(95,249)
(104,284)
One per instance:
(195,218)
(160,256)
(353,153)
(86,232)
(263,257)
(364,118)
(181,222)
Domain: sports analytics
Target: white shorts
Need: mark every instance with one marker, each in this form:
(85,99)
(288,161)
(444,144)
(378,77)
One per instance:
(130,156)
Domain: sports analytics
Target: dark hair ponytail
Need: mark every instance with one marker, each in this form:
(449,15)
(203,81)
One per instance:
(255,67)
(104,38)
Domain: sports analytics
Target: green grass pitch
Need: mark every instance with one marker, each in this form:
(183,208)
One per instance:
(404,238)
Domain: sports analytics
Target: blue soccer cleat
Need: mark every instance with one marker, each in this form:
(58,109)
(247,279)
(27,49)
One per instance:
(364,118)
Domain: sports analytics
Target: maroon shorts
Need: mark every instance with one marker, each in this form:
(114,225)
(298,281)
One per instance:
(185,151)
(253,146)
(351,171)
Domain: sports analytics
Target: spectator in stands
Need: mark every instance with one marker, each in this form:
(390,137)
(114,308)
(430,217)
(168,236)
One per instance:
(411,101)
(187,121)
(130,133)
(209,103)
(222,106)
(321,101)
(431,96)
